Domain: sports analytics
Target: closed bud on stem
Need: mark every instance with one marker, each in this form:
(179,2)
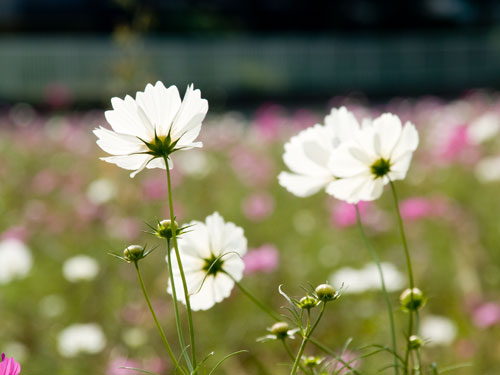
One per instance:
(326,292)
(412,299)
(165,229)
(308,302)
(311,361)
(414,342)
(133,253)
(280,329)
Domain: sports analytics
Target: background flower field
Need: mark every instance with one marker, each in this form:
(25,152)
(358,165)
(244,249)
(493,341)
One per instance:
(59,201)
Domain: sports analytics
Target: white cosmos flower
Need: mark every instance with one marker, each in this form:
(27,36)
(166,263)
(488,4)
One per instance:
(211,257)
(15,260)
(151,126)
(307,154)
(379,151)
(438,330)
(80,268)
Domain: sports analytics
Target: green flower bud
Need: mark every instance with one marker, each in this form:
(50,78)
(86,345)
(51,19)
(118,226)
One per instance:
(133,253)
(412,299)
(311,361)
(326,292)
(280,329)
(164,229)
(414,342)
(308,302)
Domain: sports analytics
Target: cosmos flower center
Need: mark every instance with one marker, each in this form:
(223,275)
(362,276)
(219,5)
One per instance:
(381,167)
(213,265)
(160,146)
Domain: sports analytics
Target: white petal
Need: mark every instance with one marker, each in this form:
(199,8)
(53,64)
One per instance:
(161,105)
(234,239)
(344,124)
(352,189)
(130,162)
(387,131)
(191,113)
(124,118)
(222,287)
(117,143)
(400,166)
(349,160)
(234,266)
(303,186)
(407,142)
(195,242)
(215,228)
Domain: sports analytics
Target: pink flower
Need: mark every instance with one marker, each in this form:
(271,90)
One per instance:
(486,315)
(349,358)
(418,208)
(116,366)
(344,214)
(269,119)
(9,366)
(258,206)
(251,168)
(262,259)
(154,188)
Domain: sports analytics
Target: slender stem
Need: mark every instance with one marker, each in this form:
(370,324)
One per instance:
(292,357)
(309,330)
(176,308)
(403,236)
(179,262)
(263,307)
(160,329)
(408,264)
(387,299)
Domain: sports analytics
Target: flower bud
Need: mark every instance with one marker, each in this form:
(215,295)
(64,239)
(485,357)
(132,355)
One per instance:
(326,292)
(133,253)
(311,361)
(164,229)
(280,329)
(308,302)
(412,299)
(414,342)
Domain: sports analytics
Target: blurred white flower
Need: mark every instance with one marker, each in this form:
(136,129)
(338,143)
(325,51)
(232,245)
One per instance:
(488,169)
(484,127)
(194,164)
(378,151)
(134,337)
(211,254)
(361,280)
(438,330)
(307,154)
(15,260)
(80,268)
(152,126)
(52,305)
(101,191)
(81,338)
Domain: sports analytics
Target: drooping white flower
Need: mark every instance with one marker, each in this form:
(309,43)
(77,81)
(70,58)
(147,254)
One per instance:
(380,151)
(211,257)
(81,338)
(151,126)
(438,330)
(80,268)
(367,278)
(15,260)
(307,154)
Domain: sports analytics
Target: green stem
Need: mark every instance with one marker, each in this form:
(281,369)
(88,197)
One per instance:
(309,331)
(176,309)
(408,264)
(263,307)
(387,299)
(292,357)
(160,329)
(179,262)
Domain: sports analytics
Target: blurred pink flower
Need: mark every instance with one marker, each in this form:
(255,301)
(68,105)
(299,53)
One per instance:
(268,121)
(115,366)
(262,259)
(418,208)
(8,366)
(251,168)
(344,214)
(340,368)
(45,181)
(486,315)
(57,95)
(154,188)
(127,228)
(17,233)
(258,206)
